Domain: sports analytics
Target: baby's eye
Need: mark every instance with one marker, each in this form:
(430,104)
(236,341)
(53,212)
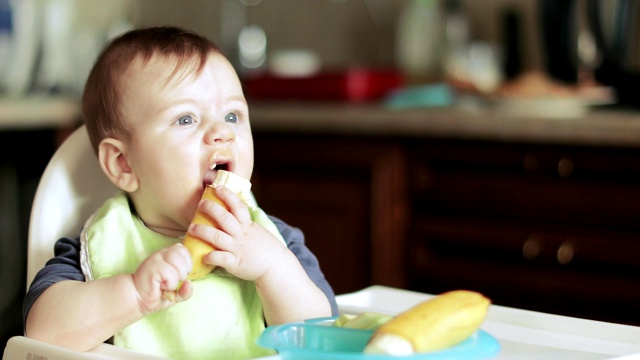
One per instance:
(231,118)
(185,120)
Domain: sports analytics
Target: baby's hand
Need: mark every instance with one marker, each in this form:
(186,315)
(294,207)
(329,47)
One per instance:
(161,279)
(243,248)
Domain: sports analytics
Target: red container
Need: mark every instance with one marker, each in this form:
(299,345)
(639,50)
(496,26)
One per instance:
(354,85)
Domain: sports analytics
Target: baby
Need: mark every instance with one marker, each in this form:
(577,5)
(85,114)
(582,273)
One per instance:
(165,110)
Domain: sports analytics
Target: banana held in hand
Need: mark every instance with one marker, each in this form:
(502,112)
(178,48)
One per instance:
(434,324)
(198,248)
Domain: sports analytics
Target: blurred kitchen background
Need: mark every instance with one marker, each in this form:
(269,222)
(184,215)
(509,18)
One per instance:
(49,46)
(483,144)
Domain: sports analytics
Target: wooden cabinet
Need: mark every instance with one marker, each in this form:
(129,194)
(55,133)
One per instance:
(348,197)
(546,227)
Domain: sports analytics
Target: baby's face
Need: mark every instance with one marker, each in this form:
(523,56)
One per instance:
(182,126)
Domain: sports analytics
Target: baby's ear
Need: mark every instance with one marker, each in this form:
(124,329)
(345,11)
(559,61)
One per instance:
(113,160)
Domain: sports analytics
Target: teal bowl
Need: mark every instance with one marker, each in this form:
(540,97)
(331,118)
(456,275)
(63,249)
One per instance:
(319,339)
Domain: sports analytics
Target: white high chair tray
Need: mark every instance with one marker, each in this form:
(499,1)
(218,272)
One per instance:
(522,334)
(20,347)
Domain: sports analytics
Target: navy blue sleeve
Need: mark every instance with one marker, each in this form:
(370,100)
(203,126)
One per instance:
(64,266)
(295,242)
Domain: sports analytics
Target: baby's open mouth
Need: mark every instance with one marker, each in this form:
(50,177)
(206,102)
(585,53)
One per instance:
(220,166)
(210,175)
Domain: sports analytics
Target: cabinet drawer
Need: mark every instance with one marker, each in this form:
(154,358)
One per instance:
(580,272)
(589,249)
(558,184)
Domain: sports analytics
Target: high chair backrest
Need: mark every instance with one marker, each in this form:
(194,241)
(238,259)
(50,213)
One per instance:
(71,188)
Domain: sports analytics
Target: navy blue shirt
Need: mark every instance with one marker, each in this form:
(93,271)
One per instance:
(66,265)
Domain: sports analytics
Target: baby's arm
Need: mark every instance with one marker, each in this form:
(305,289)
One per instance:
(288,294)
(80,315)
(251,252)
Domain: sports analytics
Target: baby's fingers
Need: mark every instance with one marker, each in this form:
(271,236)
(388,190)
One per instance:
(159,275)
(181,293)
(185,291)
(237,206)
(223,259)
(178,256)
(179,264)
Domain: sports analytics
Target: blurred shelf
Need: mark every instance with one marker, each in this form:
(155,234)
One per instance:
(38,112)
(598,126)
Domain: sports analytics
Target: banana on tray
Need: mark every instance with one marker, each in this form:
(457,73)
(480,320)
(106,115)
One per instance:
(432,325)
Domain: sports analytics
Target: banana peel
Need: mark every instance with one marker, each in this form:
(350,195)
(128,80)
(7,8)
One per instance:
(432,325)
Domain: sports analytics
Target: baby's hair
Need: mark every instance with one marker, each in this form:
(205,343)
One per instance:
(103,92)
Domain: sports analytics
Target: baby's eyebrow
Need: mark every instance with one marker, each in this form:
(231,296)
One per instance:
(236,99)
(172,103)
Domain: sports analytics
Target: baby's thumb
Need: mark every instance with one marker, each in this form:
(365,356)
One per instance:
(184,291)
(181,293)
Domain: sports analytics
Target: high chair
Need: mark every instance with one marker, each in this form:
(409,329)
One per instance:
(71,188)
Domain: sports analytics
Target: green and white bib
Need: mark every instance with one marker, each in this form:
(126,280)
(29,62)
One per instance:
(223,318)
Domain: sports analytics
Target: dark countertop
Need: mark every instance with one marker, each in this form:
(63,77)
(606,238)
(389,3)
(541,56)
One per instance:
(540,123)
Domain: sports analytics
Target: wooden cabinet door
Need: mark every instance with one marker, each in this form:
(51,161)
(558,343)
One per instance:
(347,196)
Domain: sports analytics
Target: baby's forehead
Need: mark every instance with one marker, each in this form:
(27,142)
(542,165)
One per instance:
(168,67)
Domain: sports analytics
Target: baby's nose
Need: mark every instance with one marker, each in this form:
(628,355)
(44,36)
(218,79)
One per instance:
(219,133)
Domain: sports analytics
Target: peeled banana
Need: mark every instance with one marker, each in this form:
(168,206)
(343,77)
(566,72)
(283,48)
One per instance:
(198,248)
(434,324)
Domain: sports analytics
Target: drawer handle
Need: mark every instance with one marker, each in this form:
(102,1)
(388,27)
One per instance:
(531,248)
(565,253)
(565,167)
